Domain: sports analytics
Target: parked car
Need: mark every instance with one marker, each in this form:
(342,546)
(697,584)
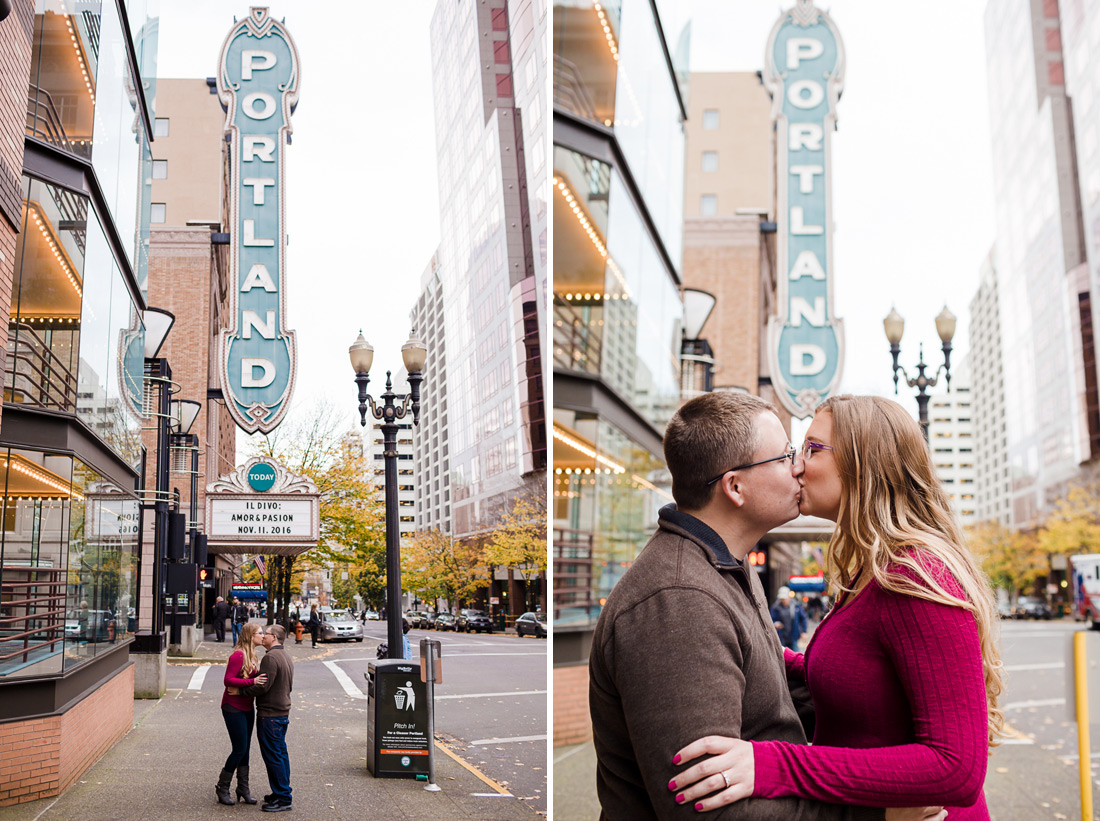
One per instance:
(417,619)
(473,621)
(1032,607)
(444,621)
(371,615)
(533,623)
(1004,610)
(90,625)
(337,625)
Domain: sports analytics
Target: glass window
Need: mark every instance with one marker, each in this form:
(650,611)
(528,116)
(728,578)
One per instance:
(586,57)
(44,320)
(160,169)
(63,82)
(160,127)
(710,119)
(157,212)
(708,205)
(710,160)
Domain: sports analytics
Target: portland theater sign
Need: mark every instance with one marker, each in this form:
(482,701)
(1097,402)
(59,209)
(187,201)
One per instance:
(804,73)
(258,84)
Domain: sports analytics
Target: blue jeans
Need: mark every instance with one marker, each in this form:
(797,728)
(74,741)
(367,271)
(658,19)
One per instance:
(237,631)
(239,726)
(271,732)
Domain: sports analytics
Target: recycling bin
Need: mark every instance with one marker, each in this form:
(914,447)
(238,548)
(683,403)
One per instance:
(398,735)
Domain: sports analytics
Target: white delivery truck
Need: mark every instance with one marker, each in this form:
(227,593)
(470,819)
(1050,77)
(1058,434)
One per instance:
(1086,588)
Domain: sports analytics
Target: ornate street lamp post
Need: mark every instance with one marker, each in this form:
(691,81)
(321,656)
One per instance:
(413,353)
(894,326)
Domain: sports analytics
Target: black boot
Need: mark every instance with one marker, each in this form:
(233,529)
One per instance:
(221,789)
(243,795)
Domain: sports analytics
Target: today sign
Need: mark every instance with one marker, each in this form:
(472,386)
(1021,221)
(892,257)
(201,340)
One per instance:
(258,84)
(804,73)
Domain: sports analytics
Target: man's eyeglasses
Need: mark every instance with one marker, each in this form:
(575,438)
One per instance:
(790,454)
(809,447)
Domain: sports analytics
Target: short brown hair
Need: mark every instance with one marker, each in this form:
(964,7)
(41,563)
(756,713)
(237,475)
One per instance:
(278,632)
(707,435)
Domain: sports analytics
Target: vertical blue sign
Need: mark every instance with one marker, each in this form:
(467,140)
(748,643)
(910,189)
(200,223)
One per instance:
(804,73)
(258,83)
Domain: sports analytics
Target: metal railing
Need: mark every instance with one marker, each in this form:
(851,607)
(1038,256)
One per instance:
(34,375)
(573,575)
(44,122)
(40,595)
(571,91)
(577,339)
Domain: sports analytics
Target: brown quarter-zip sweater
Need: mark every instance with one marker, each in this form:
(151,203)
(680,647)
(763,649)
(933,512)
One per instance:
(273,698)
(685,647)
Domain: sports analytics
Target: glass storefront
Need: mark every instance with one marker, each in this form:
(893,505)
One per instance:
(82,99)
(68,563)
(610,68)
(617,313)
(607,491)
(75,338)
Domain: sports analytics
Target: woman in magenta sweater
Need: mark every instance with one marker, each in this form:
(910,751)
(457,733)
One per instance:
(239,712)
(904,671)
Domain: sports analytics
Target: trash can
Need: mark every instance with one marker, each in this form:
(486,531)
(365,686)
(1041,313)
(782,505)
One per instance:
(503,623)
(397,719)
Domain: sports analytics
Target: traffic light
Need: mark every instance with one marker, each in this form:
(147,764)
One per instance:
(758,558)
(204,573)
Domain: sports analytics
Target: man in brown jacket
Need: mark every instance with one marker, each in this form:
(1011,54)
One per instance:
(685,645)
(273,717)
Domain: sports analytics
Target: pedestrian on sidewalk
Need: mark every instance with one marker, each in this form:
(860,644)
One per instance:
(789,618)
(659,679)
(239,713)
(273,717)
(314,623)
(240,618)
(221,613)
(904,671)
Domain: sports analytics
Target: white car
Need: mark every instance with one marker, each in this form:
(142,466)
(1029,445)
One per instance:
(372,615)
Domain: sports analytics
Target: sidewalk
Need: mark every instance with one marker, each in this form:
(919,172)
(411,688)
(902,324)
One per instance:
(165,768)
(1023,783)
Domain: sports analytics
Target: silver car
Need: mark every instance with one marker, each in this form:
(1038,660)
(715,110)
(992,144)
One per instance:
(339,626)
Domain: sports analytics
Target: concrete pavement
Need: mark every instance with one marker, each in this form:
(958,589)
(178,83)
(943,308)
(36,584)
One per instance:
(166,767)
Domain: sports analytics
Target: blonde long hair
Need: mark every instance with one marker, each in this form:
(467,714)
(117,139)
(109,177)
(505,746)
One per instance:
(892,510)
(244,644)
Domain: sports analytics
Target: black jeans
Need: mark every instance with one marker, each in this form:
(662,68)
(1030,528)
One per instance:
(240,727)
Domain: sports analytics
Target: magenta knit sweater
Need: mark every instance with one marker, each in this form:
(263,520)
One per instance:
(232,679)
(899,691)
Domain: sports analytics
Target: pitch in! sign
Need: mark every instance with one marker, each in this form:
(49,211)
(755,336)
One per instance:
(804,73)
(258,84)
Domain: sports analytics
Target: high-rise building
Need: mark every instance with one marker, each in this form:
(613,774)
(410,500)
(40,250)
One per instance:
(431,437)
(1039,260)
(617,313)
(992,480)
(490,272)
(75,152)
(951,439)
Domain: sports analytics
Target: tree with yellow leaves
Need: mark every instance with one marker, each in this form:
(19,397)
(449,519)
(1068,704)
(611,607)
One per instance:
(519,542)
(1012,559)
(437,566)
(1072,526)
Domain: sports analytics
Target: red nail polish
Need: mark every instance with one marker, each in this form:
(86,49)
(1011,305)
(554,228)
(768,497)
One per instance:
(676,759)
(672,785)
(679,799)
(699,806)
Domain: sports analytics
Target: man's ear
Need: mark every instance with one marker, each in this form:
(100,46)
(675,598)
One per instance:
(730,487)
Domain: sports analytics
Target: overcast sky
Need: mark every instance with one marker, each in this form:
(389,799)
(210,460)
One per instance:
(362,205)
(912,175)
(912,191)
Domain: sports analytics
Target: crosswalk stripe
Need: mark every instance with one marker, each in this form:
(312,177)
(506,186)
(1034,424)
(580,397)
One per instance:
(198,677)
